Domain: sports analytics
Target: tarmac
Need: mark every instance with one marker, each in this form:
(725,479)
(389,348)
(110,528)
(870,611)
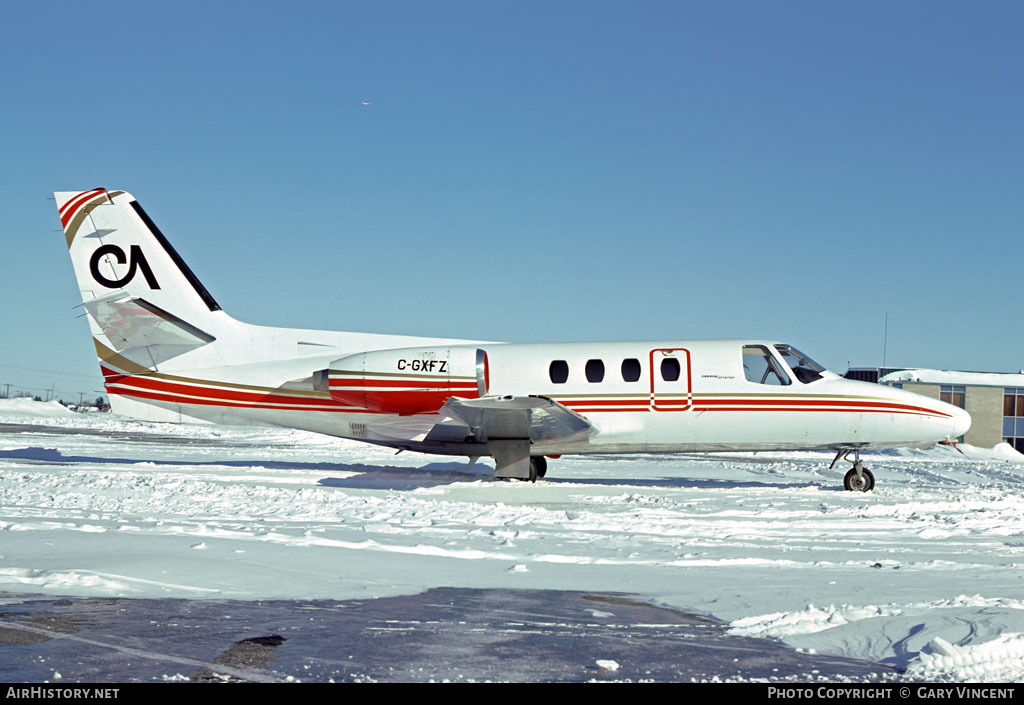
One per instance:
(441,635)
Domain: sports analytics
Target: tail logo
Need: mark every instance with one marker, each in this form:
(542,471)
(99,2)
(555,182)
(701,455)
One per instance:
(136,261)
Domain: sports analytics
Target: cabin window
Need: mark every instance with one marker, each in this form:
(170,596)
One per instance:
(670,369)
(759,366)
(559,371)
(630,370)
(595,370)
(805,369)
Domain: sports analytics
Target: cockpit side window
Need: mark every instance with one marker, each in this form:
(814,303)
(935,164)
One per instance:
(759,366)
(805,369)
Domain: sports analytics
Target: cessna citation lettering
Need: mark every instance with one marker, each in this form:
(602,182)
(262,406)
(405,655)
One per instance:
(169,353)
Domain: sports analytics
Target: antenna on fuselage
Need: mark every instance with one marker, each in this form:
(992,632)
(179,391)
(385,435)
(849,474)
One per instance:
(885,340)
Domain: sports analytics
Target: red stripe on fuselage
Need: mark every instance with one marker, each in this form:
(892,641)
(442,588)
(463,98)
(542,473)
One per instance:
(439,384)
(845,410)
(327,406)
(883,405)
(157,385)
(836,405)
(203,392)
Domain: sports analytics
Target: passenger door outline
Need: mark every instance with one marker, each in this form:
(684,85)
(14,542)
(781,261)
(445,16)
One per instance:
(676,395)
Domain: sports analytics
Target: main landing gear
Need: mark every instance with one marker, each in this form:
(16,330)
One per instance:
(859,478)
(538,467)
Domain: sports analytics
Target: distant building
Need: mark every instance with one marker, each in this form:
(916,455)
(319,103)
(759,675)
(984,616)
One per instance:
(870,374)
(994,400)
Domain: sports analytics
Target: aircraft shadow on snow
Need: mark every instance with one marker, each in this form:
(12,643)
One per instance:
(369,476)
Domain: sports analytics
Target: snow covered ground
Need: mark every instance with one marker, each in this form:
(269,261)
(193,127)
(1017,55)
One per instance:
(923,574)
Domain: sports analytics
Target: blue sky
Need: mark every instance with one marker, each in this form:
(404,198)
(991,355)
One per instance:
(532,171)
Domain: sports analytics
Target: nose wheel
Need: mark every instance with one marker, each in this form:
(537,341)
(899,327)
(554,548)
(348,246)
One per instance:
(859,478)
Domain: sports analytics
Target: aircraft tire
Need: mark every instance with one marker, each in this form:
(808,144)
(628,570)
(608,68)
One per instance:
(855,484)
(538,465)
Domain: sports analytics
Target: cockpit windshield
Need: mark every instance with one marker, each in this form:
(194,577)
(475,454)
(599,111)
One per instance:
(805,369)
(759,366)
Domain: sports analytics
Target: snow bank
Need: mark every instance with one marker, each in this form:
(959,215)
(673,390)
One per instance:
(1003,452)
(1001,659)
(964,638)
(927,376)
(786,624)
(811,620)
(26,406)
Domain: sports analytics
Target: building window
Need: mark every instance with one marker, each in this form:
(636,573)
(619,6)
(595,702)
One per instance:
(1013,402)
(953,394)
(595,370)
(630,370)
(1013,417)
(559,371)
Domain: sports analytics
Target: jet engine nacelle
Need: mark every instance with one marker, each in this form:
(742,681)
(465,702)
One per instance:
(407,380)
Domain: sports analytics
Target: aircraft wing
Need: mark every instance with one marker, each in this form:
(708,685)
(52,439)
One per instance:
(531,418)
(508,426)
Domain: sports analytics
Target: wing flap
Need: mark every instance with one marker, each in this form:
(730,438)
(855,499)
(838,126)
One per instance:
(447,432)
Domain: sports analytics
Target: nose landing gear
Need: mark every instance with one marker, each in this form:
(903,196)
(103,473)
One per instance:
(859,478)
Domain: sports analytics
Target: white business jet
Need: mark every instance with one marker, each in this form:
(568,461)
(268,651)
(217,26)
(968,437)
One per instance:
(169,353)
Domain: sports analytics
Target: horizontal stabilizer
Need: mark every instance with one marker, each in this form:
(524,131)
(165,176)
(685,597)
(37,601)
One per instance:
(131,323)
(533,417)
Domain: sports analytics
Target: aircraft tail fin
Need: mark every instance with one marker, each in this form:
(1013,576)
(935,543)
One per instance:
(145,306)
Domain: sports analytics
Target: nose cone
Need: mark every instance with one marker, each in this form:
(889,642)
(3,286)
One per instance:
(961,422)
(939,422)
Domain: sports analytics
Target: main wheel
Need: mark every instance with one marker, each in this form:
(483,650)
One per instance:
(538,465)
(855,483)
